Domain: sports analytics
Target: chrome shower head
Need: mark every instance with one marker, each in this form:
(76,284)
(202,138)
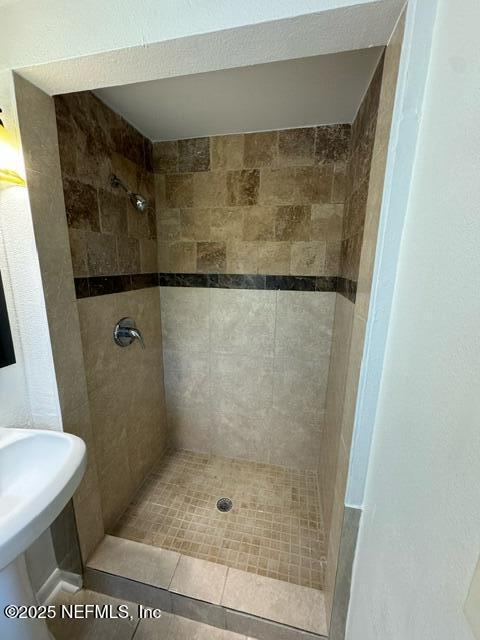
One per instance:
(138,202)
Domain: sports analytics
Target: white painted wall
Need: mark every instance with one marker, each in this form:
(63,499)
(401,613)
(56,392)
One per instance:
(35,32)
(62,46)
(420,533)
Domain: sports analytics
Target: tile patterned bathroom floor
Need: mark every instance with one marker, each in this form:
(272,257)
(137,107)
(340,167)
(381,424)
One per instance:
(275,528)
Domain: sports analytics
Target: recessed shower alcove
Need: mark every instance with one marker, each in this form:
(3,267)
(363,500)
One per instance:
(225,225)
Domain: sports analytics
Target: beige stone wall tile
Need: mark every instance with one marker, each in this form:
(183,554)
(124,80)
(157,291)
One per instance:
(182,257)
(211,257)
(179,190)
(193,154)
(78,248)
(339,188)
(195,224)
(313,184)
(226,223)
(160,190)
(296,146)
(258,223)
(277,186)
(261,149)
(308,258)
(168,225)
(226,152)
(292,222)
(165,156)
(209,189)
(242,257)
(274,258)
(242,187)
(148,256)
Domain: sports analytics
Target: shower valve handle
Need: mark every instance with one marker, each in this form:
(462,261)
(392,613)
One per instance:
(125,333)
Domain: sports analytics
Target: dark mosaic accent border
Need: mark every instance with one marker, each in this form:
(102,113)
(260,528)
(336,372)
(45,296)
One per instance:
(248,281)
(103,285)
(347,288)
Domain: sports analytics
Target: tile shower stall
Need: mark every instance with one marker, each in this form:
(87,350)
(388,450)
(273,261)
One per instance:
(249,279)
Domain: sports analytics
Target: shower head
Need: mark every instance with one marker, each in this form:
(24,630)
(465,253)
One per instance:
(138,202)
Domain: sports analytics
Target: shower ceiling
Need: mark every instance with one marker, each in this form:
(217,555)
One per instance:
(293,93)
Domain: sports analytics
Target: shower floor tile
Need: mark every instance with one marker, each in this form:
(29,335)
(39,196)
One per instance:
(274,529)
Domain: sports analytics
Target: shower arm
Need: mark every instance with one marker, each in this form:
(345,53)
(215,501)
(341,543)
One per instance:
(116,182)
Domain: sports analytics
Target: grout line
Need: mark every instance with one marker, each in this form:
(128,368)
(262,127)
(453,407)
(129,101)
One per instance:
(175,570)
(224,585)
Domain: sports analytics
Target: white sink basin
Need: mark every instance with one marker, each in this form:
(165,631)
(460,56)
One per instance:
(39,472)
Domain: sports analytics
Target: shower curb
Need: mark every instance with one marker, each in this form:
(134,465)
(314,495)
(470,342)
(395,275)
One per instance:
(185,606)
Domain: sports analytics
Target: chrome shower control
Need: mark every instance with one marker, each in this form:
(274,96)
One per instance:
(125,333)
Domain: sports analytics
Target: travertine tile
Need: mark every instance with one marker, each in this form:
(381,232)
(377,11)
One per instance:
(226,223)
(296,146)
(332,142)
(165,156)
(308,258)
(168,225)
(81,205)
(195,224)
(113,212)
(242,257)
(313,184)
(242,186)
(148,256)
(274,257)
(199,579)
(128,254)
(182,257)
(179,190)
(141,562)
(101,254)
(227,152)
(194,155)
(258,223)
(292,223)
(78,250)
(296,606)
(260,149)
(211,257)
(209,189)
(278,186)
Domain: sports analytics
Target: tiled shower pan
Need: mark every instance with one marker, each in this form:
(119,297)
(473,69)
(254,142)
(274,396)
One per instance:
(274,528)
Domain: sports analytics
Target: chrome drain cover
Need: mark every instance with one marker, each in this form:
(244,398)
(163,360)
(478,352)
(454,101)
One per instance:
(224,504)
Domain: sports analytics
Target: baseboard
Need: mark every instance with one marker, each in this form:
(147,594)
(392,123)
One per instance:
(58,580)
